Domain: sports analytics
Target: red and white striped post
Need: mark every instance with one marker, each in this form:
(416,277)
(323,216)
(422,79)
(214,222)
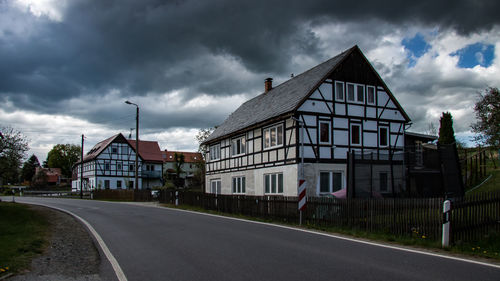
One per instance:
(302,198)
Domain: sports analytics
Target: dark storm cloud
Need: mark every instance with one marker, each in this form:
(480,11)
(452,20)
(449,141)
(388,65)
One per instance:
(149,46)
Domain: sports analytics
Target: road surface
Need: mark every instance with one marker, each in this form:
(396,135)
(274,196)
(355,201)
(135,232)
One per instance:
(151,243)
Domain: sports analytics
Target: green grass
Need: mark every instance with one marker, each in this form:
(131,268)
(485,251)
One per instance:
(486,248)
(492,185)
(23,235)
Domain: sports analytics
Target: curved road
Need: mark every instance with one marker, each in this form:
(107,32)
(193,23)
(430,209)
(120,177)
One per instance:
(153,243)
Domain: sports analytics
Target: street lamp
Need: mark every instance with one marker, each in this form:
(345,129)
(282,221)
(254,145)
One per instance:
(136,143)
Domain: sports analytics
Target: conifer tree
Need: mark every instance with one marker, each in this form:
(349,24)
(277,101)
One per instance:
(446,133)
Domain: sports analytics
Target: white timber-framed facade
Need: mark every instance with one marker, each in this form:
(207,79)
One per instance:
(341,106)
(110,164)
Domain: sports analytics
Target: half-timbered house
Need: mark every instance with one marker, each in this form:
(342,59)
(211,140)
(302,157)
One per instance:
(317,117)
(110,164)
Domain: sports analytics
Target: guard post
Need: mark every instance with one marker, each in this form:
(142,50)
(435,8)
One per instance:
(446,224)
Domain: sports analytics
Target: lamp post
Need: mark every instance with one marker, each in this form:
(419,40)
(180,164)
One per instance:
(136,144)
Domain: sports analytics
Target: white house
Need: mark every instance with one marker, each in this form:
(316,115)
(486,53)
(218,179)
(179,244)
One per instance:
(110,164)
(343,105)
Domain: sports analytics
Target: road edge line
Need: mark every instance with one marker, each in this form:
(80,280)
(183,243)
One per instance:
(343,238)
(112,260)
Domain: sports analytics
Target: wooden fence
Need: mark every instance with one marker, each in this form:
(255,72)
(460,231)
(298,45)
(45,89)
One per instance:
(122,194)
(475,216)
(471,217)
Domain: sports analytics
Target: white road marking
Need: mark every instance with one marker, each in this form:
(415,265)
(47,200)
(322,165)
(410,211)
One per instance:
(112,260)
(343,238)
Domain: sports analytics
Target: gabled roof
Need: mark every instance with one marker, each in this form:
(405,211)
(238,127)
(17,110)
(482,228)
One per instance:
(148,150)
(279,100)
(189,157)
(285,98)
(100,147)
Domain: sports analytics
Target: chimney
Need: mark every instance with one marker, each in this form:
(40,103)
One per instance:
(268,85)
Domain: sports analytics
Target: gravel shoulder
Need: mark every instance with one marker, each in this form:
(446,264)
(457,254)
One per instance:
(70,255)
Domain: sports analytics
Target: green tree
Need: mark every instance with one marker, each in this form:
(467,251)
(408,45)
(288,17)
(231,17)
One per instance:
(63,156)
(29,168)
(201,136)
(487,111)
(40,180)
(446,133)
(13,148)
(179,161)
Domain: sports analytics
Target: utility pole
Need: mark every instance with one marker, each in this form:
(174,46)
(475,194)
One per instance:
(136,144)
(137,149)
(81,171)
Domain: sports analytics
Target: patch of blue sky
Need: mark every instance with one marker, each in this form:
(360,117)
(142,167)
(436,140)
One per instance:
(475,54)
(416,47)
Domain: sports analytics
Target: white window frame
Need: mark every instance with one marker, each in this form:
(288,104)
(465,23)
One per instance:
(329,131)
(343,91)
(214,185)
(268,179)
(355,97)
(360,135)
(374,95)
(238,185)
(238,143)
(387,135)
(330,181)
(215,152)
(268,143)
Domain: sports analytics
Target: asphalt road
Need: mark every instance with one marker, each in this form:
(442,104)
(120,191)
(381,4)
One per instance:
(153,243)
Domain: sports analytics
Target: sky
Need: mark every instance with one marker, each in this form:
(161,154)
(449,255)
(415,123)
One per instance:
(68,66)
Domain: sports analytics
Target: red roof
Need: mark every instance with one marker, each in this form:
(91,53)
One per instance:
(53,174)
(148,150)
(189,157)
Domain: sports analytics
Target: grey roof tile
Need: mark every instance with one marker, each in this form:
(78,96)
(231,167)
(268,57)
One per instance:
(280,100)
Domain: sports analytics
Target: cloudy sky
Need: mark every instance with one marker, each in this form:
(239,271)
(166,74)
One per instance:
(67,66)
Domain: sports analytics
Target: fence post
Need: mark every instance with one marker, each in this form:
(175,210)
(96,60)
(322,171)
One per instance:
(446,224)
(176,198)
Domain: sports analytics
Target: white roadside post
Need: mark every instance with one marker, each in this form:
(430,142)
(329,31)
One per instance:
(446,224)
(176,198)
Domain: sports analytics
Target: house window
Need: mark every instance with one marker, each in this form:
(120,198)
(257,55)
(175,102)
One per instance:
(215,186)
(339,91)
(370,93)
(273,136)
(215,152)
(118,184)
(350,92)
(131,184)
(131,167)
(238,146)
(118,166)
(324,132)
(106,184)
(273,183)
(107,166)
(383,136)
(383,181)
(114,149)
(239,185)
(355,134)
(355,92)
(331,181)
(360,90)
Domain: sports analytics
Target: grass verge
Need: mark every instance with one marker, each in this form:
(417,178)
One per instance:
(23,235)
(486,248)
